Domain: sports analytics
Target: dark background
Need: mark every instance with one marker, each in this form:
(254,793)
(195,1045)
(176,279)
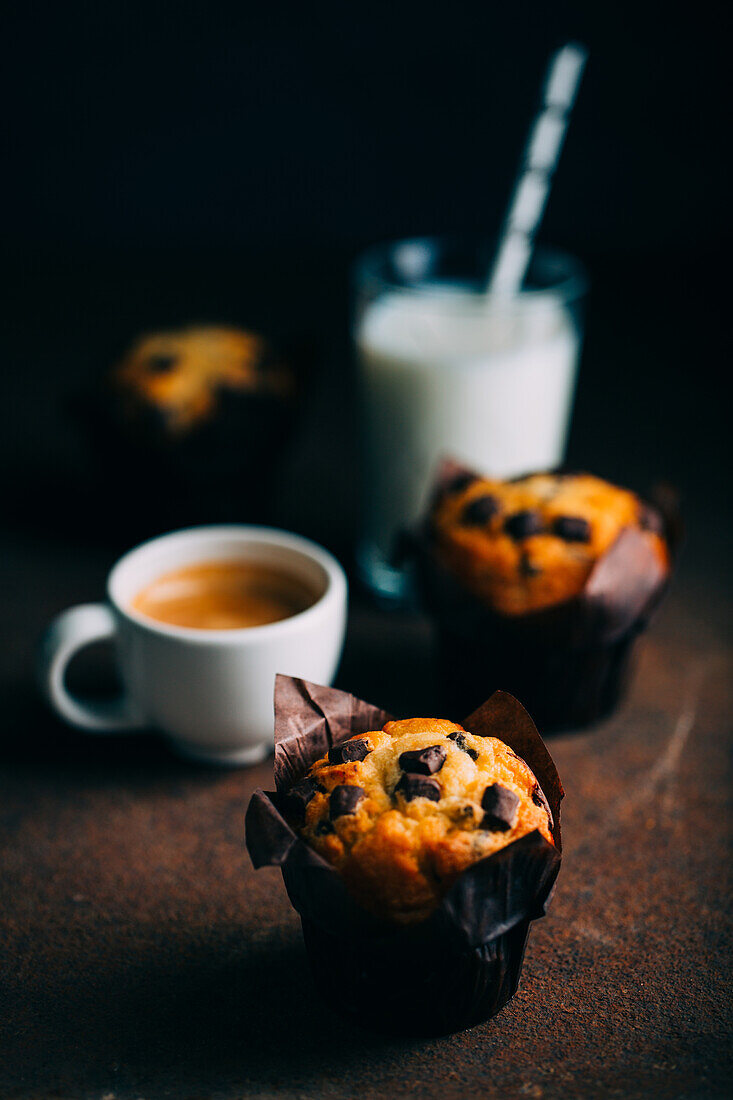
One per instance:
(326,125)
(178,162)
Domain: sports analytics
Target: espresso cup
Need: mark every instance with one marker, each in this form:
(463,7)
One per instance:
(209,691)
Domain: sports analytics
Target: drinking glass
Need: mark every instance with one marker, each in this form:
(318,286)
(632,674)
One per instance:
(446,369)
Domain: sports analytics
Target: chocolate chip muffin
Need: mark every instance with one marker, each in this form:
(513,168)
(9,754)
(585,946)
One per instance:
(401,812)
(417,853)
(192,426)
(531,543)
(182,374)
(540,586)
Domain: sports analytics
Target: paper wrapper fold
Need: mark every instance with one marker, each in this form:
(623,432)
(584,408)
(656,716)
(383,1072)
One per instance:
(568,664)
(462,964)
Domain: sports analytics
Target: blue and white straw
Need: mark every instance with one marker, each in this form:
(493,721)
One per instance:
(539,161)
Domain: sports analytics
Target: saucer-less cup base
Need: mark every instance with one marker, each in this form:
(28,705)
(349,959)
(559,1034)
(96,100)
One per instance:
(209,691)
(227,758)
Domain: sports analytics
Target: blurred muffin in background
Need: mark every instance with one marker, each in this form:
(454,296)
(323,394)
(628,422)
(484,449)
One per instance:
(540,585)
(184,377)
(530,543)
(190,426)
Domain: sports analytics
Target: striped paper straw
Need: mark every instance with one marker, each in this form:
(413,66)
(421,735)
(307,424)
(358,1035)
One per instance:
(539,161)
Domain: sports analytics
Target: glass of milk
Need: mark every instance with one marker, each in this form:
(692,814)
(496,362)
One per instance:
(445,369)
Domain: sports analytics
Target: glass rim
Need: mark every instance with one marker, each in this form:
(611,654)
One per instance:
(368,268)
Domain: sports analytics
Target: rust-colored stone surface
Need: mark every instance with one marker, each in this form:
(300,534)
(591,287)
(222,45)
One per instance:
(142,957)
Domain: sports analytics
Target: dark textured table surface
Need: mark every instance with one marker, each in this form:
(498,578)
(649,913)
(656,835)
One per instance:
(142,957)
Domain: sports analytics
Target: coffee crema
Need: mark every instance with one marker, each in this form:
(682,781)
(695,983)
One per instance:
(223,595)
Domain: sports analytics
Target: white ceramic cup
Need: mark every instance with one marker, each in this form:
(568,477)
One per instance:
(209,691)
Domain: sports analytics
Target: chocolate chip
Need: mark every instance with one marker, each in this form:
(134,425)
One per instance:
(323,828)
(300,795)
(458,483)
(523,524)
(348,752)
(161,364)
(527,568)
(423,761)
(538,797)
(572,528)
(500,805)
(344,800)
(418,786)
(462,743)
(480,510)
(651,520)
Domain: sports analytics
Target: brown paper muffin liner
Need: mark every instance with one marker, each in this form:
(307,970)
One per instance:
(462,964)
(569,664)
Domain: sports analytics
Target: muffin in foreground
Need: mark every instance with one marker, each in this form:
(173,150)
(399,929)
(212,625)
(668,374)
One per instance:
(401,812)
(539,585)
(391,872)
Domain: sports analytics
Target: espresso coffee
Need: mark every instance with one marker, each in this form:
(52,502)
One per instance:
(223,595)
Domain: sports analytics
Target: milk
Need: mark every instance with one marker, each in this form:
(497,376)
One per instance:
(446,372)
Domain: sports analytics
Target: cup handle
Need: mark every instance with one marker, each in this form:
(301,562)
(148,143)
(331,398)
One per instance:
(69,632)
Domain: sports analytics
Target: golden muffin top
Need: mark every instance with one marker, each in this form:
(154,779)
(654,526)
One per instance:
(181,373)
(401,812)
(527,544)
